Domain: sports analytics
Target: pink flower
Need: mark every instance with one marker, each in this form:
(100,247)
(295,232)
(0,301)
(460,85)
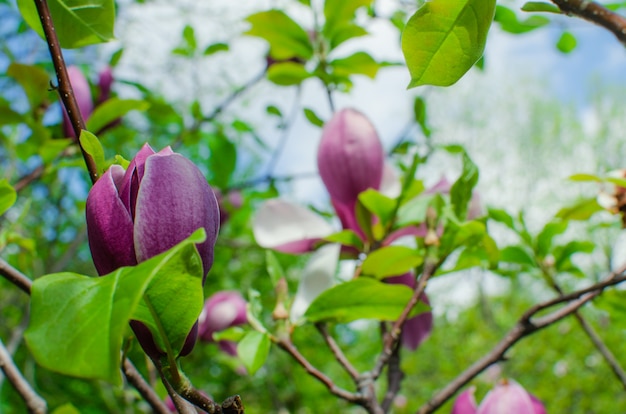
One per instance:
(507,397)
(222,310)
(139,213)
(350,160)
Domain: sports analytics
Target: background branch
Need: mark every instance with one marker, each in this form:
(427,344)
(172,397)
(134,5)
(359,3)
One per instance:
(33,401)
(595,13)
(524,327)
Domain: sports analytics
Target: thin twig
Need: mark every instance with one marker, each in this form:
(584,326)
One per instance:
(65,87)
(33,401)
(524,327)
(290,348)
(145,390)
(337,352)
(15,276)
(595,13)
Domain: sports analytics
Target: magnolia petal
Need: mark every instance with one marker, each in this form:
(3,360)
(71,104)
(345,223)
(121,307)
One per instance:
(416,231)
(350,157)
(109,224)
(173,201)
(222,310)
(130,183)
(318,276)
(347,216)
(508,397)
(537,405)
(288,227)
(390,184)
(465,402)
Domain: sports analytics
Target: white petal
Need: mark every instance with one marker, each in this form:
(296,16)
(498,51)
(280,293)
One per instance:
(318,276)
(390,184)
(279,222)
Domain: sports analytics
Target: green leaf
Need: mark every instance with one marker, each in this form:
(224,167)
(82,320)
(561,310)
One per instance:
(253,350)
(346,238)
(113,109)
(414,211)
(287,73)
(585,177)
(313,118)
(189,35)
(510,23)
(273,110)
(92,146)
(567,42)
(547,234)
(77,23)
(359,63)
(274,269)
(66,409)
(223,160)
(52,148)
(503,217)
(234,333)
(338,15)
(345,32)
(444,38)
(362,298)
(582,210)
(419,112)
(7,115)
(378,204)
(461,191)
(8,195)
(34,80)
(286,38)
(517,255)
(215,48)
(77,323)
(391,261)
(539,6)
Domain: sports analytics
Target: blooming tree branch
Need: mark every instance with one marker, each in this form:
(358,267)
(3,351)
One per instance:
(524,327)
(595,13)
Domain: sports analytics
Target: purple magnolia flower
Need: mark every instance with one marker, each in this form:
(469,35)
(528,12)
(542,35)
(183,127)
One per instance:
(350,160)
(105,80)
(82,92)
(222,310)
(508,397)
(139,213)
(417,329)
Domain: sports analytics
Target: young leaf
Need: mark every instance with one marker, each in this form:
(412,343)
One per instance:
(274,269)
(338,15)
(77,322)
(359,63)
(510,23)
(77,23)
(34,80)
(547,234)
(253,350)
(378,204)
(461,191)
(540,6)
(215,48)
(313,118)
(419,112)
(91,145)
(391,261)
(286,38)
(567,42)
(444,39)
(111,110)
(287,73)
(362,298)
(346,238)
(8,195)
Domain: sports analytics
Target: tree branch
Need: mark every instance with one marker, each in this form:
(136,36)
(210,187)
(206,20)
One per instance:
(15,276)
(595,13)
(33,401)
(145,390)
(524,327)
(65,87)
(337,352)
